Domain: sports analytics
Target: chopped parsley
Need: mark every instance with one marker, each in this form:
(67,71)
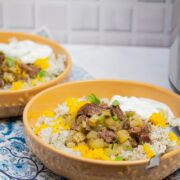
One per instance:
(115,103)
(93,99)
(9,61)
(129,148)
(114,117)
(101,119)
(118,158)
(41,73)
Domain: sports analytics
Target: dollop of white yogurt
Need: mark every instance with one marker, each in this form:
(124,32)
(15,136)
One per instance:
(142,106)
(26,51)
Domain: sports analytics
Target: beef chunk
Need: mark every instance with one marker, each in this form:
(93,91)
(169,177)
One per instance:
(116,110)
(126,124)
(1,72)
(30,69)
(135,133)
(2,57)
(1,82)
(108,135)
(89,110)
(140,134)
(85,113)
(133,142)
(145,137)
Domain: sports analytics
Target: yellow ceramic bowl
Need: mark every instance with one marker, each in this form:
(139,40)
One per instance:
(12,102)
(79,168)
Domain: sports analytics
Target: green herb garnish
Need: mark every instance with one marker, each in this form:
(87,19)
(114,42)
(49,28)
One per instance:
(101,119)
(126,148)
(118,158)
(114,117)
(129,114)
(115,103)
(9,61)
(93,99)
(41,73)
(129,148)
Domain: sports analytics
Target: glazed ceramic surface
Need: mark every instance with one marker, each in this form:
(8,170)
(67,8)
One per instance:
(12,102)
(80,168)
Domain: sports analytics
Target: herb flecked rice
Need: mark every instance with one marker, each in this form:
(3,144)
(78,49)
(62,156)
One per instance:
(116,129)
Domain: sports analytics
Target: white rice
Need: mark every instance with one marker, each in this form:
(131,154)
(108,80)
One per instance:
(57,140)
(45,135)
(56,65)
(61,110)
(136,154)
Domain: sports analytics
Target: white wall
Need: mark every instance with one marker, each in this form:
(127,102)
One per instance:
(124,22)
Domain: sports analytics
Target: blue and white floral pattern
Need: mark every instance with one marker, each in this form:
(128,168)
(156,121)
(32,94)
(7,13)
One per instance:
(16,160)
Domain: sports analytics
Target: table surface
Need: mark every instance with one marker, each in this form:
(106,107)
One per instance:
(143,64)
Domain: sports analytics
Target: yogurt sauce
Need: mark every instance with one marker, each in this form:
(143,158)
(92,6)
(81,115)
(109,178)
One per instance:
(27,51)
(142,106)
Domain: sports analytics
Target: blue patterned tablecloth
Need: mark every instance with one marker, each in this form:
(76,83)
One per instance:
(16,160)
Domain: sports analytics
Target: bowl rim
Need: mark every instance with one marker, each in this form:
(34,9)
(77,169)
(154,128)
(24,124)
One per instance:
(86,160)
(61,76)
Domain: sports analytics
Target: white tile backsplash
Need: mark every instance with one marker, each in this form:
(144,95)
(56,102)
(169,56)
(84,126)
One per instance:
(149,39)
(154,1)
(84,37)
(1,15)
(122,1)
(117,38)
(18,14)
(176,13)
(123,22)
(117,18)
(51,14)
(84,17)
(150,18)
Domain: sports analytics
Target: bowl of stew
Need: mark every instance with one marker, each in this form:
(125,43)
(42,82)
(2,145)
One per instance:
(28,65)
(104,129)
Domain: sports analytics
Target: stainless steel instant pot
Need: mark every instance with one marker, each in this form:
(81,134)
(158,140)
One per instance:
(174,63)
